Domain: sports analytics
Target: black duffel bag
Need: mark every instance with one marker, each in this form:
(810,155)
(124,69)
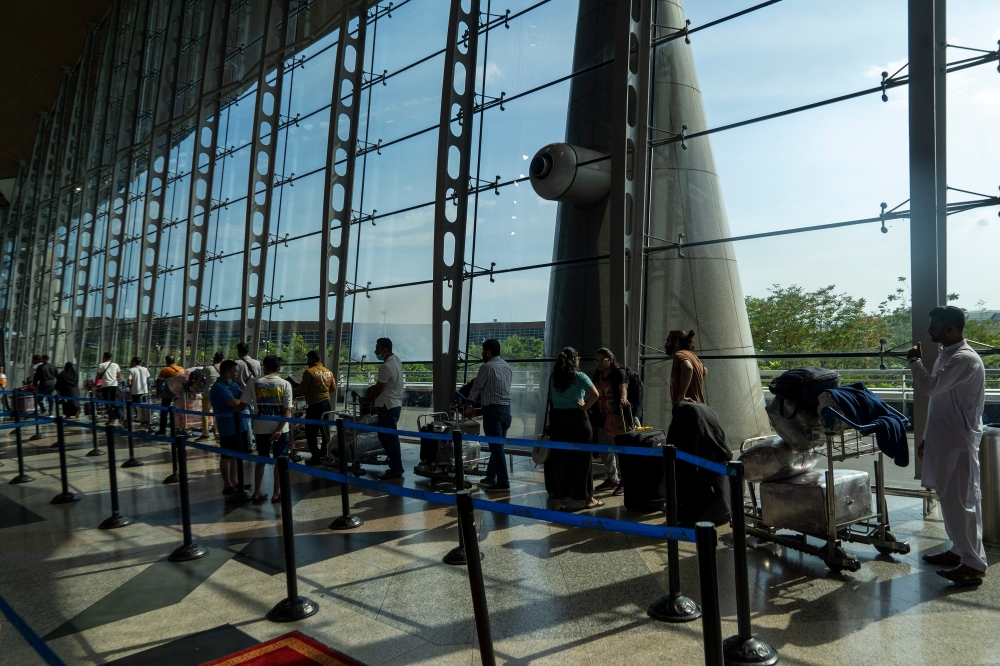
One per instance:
(803,386)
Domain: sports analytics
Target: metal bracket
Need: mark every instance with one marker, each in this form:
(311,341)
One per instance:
(886,79)
(365,147)
(674,35)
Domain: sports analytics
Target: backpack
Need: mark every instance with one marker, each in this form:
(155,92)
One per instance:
(802,386)
(636,391)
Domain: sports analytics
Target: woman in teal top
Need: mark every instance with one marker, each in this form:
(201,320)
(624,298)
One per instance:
(571,393)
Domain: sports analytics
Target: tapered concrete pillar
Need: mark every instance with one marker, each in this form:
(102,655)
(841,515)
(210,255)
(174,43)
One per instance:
(700,290)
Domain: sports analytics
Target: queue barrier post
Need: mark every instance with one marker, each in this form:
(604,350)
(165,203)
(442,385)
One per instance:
(708,573)
(21,476)
(345,521)
(674,607)
(188,550)
(457,556)
(467,519)
(38,433)
(293,607)
(241,495)
(116,520)
(174,475)
(95,451)
(65,497)
(744,647)
(132,460)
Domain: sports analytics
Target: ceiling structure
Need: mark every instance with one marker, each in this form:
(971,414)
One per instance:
(40,38)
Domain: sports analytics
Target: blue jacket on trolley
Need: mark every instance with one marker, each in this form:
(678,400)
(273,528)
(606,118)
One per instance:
(862,407)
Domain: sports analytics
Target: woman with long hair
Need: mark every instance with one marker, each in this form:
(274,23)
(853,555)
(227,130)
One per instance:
(571,394)
(687,376)
(611,416)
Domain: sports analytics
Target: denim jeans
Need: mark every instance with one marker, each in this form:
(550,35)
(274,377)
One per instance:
(166,399)
(496,421)
(388,418)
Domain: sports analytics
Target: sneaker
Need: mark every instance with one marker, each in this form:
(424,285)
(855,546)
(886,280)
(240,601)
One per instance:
(620,490)
(609,484)
(390,475)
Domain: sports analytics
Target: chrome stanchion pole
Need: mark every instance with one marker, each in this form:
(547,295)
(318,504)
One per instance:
(65,497)
(132,460)
(21,476)
(188,550)
(38,433)
(457,556)
(95,451)
(174,476)
(467,519)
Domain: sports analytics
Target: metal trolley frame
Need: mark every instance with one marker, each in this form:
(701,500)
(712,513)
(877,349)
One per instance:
(844,440)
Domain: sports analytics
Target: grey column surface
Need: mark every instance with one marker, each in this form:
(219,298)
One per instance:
(203,160)
(267,111)
(941,141)
(451,195)
(344,110)
(924,278)
(701,290)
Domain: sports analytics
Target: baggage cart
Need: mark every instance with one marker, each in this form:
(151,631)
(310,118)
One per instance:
(363,446)
(437,456)
(828,505)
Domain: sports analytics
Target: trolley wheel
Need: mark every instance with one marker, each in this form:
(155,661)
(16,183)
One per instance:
(837,567)
(886,550)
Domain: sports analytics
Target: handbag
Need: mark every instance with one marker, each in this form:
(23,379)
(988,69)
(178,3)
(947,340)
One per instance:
(614,425)
(540,454)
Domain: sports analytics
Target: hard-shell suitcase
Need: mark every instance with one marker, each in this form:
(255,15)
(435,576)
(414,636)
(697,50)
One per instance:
(642,476)
(799,503)
(437,455)
(363,446)
(192,403)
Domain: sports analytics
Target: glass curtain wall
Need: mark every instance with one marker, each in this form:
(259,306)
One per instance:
(523,79)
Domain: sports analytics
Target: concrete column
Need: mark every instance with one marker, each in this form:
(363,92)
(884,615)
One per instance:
(701,290)
(924,245)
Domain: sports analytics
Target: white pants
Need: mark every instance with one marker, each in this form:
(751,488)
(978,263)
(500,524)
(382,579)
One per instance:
(955,478)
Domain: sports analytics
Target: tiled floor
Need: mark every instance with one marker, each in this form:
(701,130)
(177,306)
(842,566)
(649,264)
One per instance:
(556,595)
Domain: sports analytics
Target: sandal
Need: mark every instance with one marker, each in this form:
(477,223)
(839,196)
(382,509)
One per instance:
(276,499)
(599,504)
(260,499)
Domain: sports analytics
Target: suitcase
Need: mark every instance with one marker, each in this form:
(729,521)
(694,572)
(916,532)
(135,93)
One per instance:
(642,476)
(799,503)
(363,446)
(191,402)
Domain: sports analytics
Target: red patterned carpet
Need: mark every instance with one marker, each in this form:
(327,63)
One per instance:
(292,649)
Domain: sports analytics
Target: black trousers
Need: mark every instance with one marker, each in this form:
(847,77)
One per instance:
(568,473)
(316,411)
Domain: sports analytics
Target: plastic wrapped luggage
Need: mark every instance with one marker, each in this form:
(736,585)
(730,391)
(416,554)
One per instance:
(363,446)
(772,459)
(642,476)
(799,503)
(192,403)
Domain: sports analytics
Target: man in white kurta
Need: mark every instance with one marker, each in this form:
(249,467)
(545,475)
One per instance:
(950,449)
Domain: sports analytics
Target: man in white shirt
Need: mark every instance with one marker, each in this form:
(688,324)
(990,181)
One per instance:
(138,385)
(269,395)
(950,449)
(209,375)
(108,373)
(388,397)
(247,367)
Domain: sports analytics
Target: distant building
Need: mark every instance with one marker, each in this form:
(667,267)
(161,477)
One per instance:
(983,315)
(501,330)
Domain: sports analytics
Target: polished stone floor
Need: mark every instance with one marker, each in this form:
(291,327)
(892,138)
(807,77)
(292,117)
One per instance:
(556,595)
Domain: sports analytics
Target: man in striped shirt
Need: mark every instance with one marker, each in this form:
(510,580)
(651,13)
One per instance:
(491,388)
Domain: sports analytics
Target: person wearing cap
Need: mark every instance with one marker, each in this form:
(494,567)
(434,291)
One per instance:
(950,447)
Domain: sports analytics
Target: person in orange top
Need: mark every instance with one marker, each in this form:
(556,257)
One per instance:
(166,395)
(687,376)
(317,383)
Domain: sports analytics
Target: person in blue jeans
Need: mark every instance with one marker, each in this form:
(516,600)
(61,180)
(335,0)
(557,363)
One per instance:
(387,395)
(491,388)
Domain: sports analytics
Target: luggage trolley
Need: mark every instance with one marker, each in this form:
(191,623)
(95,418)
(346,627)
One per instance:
(437,457)
(363,446)
(828,505)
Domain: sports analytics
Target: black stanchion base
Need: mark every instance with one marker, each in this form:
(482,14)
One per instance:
(22,478)
(53,445)
(65,498)
(292,610)
(188,553)
(173,478)
(36,437)
(239,497)
(133,462)
(114,522)
(346,523)
(456,557)
(95,452)
(752,651)
(674,609)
